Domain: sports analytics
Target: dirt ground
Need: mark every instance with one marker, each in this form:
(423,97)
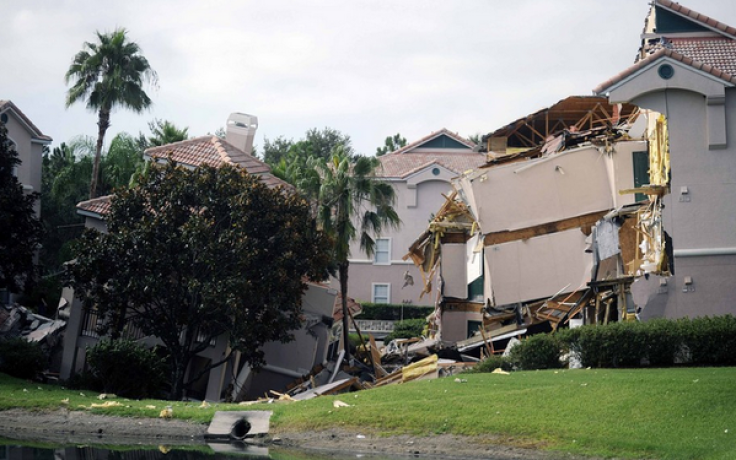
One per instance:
(78,427)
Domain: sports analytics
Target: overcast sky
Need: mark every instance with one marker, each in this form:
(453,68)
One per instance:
(367,68)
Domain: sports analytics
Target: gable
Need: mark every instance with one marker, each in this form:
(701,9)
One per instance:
(669,22)
(442,142)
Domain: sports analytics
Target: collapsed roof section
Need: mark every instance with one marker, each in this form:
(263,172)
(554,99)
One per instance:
(572,114)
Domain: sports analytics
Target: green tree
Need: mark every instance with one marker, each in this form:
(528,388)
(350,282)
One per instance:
(348,194)
(195,254)
(391,144)
(276,150)
(109,74)
(322,143)
(165,132)
(21,230)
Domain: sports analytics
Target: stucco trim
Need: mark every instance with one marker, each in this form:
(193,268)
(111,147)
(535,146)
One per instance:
(705,252)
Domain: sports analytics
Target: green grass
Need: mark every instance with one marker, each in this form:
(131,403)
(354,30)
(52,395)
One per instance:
(681,413)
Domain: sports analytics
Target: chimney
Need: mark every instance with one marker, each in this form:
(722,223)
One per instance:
(240,131)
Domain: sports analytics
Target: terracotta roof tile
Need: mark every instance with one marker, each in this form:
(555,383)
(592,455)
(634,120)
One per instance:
(402,165)
(5,105)
(720,53)
(214,151)
(100,205)
(407,160)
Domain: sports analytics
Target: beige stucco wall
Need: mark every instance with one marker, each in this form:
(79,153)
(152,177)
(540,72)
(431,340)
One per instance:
(30,154)
(416,203)
(538,267)
(701,221)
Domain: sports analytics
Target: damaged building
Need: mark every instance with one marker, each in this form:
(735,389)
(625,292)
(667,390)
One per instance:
(602,208)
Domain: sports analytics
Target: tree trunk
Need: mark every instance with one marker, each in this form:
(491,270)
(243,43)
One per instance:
(103,123)
(343,272)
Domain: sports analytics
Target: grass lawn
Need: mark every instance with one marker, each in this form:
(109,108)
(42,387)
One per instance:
(682,413)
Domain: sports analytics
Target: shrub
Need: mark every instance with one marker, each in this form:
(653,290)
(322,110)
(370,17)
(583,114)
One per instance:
(710,341)
(127,369)
(540,351)
(664,341)
(407,329)
(21,358)
(392,312)
(492,363)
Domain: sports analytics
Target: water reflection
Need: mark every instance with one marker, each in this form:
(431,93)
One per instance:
(9,450)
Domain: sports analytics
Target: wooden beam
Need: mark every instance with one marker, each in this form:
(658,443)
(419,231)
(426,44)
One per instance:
(582,222)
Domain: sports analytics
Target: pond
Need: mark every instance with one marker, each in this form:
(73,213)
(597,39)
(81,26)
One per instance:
(23,450)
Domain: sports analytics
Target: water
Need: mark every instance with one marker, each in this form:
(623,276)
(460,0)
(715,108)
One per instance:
(9,450)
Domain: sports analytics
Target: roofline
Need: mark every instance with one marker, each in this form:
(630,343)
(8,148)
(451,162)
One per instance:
(705,21)
(431,136)
(33,129)
(644,64)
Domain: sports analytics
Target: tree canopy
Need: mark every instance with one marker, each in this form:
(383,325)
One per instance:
(352,203)
(194,254)
(108,74)
(391,144)
(21,229)
(165,132)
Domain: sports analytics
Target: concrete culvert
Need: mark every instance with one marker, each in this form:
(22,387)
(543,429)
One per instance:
(240,429)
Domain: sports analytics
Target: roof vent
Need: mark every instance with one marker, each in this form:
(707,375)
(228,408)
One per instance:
(240,131)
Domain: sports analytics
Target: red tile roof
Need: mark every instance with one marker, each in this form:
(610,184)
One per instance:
(715,55)
(37,134)
(100,205)
(718,52)
(214,151)
(409,159)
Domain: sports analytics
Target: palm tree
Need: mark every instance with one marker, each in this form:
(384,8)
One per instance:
(349,194)
(165,132)
(109,74)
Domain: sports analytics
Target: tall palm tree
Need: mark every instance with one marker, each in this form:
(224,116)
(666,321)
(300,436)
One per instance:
(352,203)
(109,74)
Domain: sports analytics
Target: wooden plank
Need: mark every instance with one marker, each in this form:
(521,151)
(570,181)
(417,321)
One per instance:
(584,222)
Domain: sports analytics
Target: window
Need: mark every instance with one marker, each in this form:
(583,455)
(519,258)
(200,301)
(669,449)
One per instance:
(641,172)
(381,293)
(383,252)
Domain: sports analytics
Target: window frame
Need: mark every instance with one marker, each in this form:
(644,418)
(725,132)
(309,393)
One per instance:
(388,252)
(388,292)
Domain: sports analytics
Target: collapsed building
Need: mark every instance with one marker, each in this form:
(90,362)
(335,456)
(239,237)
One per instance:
(585,209)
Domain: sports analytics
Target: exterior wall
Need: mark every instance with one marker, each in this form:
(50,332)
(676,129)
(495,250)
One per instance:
(538,267)
(701,222)
(455,324)
(30,154)
(415,205)
(564,185)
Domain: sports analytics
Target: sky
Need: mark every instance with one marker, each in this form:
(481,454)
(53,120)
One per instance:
(367,68)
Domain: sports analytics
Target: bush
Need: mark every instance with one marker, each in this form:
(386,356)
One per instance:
(127,369)
(540,351)
(21,358)
(407,329)
(710,341)
(392,312)
(492,363)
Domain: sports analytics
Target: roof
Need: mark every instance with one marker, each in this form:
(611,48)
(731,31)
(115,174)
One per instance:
(214,151)
(656,56)
(425,152)
(583,112)
(37,134)
(712,51)
(99,205)
(701,19)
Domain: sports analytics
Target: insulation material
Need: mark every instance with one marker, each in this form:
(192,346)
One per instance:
(532,269)
(606,237)
(659,150)
(653,242)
